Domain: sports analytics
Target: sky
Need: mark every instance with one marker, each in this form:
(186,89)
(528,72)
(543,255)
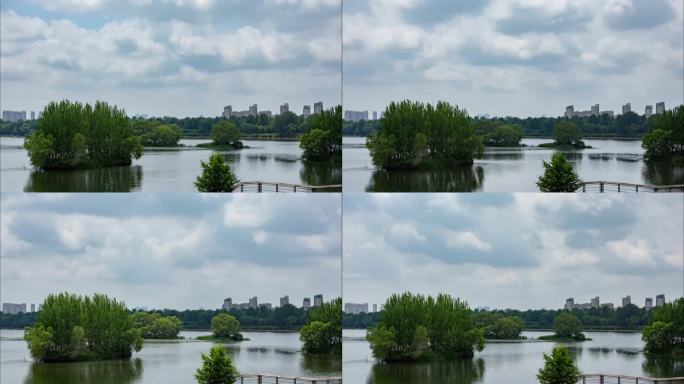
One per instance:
(519,251)
(171,57)
(514,57)
(180,251)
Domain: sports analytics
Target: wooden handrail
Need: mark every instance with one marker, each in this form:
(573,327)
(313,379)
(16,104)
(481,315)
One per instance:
(632,187)
(287,379)
(632,379)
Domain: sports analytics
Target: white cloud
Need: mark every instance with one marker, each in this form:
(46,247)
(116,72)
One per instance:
(633,252)
(466,240)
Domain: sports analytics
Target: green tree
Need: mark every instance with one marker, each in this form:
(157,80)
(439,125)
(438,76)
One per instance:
(559,368)
(217,368)
(156,134)
(74,135)
(412,134)
(567,325)
(322,333)
(225,326)
(155,326)
(665,335)
(216,176)
(567,133)
(665,141)
(72,328)
(413,327)
(225,133)
(323,140)
(558,175)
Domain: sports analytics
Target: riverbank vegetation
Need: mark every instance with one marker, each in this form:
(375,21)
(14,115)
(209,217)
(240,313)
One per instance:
(566,327)
(73,135)
(322,333)
(559,175)
(216,175)
(627,126)
(323,139)
(498,134)
(76,328)
(153,133)
(415,327)
(665,334)
(153,325)
(217,368)
(629,317)
(416,135)
(665,141)
(497,326)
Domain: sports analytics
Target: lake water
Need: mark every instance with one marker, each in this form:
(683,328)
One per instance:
(166,361)
(507,362)
(166,169)
(507,169)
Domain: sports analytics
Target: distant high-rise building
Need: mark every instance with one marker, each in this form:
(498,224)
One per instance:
(626,108)
(649,111)
(569,111)
(253,302)
(660,300)
(13,309)
(627,300)
(355,309)
(306,111)
(265,305)
(40,114)
(285,108)
(307,303)
(356,116)
(608,113)
(569,303)
(253,110)
(375,307)
(660,108)
(14,116)
(318,107)
(33,117)
(375,115)
(318,300)
(382,114)
(595,110)
(595,302)
(227,304)
(607,305)
(33,307)
(228,111)
(649,303)
(285,300)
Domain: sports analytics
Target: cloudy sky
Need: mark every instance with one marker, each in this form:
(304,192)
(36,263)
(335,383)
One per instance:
(168,250)
(514,57)
(171,57)
(513,250)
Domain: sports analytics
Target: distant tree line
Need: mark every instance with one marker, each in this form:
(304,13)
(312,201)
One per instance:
(603,318)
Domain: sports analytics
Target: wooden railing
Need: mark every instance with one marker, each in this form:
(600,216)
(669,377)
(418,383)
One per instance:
(600,378)
(610,186)
(265,186)
(275,379)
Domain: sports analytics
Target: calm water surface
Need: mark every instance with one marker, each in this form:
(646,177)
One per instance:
(165,361)
(608,352)
(507,169)
(165,169)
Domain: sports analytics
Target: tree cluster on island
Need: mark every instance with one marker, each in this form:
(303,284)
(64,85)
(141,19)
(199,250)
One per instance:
(415,135)
(152,325)
(323,138)
(415,327)
(76,328)
(665,140)
(566,327)
(224,327)
(665,334)
(322,333)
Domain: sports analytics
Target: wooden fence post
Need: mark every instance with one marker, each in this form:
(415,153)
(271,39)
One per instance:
(602,187)
(259,376)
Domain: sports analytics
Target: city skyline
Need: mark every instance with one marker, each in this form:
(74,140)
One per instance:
(177,58)
(512,58)
(521,251)
(197,248)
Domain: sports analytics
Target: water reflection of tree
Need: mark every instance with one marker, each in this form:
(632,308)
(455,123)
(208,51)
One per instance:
(461,371)
(101,372)
(458,179)
(112,179)
(662,174)
(662,366)
(324,173)
(316,365)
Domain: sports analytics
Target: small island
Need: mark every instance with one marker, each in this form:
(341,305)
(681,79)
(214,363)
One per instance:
(567,328)
(322,333)
(566,136)
(224,328)
(225,136)
(418,328)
